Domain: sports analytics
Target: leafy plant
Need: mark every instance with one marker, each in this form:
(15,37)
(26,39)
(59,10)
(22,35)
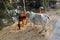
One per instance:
(9,7)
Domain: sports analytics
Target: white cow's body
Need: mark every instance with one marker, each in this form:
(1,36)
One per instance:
(38,18)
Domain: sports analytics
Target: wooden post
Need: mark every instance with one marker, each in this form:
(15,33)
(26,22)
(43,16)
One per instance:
(24,4)
(17,5)
(10,1)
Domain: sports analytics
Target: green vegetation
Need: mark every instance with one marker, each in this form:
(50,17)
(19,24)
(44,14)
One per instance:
(9,7)
(3,14)
(58,11)
(45,4)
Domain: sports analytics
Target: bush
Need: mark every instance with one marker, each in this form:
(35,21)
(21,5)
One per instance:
(9,7)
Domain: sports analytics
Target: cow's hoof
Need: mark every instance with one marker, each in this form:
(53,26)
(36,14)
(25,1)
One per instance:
(19,28)
(45,30)
(40,32)
(43,35)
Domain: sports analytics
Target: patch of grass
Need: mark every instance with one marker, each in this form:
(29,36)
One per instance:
(57,11)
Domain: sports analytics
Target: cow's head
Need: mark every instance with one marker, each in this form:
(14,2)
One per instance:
(28,14)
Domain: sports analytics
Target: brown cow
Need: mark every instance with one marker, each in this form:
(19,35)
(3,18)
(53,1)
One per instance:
(22,18)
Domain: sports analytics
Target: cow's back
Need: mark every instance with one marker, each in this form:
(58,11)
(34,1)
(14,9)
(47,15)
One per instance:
(37,19)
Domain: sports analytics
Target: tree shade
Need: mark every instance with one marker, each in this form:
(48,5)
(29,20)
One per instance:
(1,6)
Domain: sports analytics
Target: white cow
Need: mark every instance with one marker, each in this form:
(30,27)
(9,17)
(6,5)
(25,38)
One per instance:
(38,19)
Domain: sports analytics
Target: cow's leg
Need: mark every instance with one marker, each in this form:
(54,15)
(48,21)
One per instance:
(27,20)
(19,25)
(43,23)
(22,23)
(43,29)
(31,24)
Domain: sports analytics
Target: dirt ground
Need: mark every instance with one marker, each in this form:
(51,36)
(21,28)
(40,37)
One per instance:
(28,32)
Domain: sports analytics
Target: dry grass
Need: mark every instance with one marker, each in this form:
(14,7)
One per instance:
(26,33)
